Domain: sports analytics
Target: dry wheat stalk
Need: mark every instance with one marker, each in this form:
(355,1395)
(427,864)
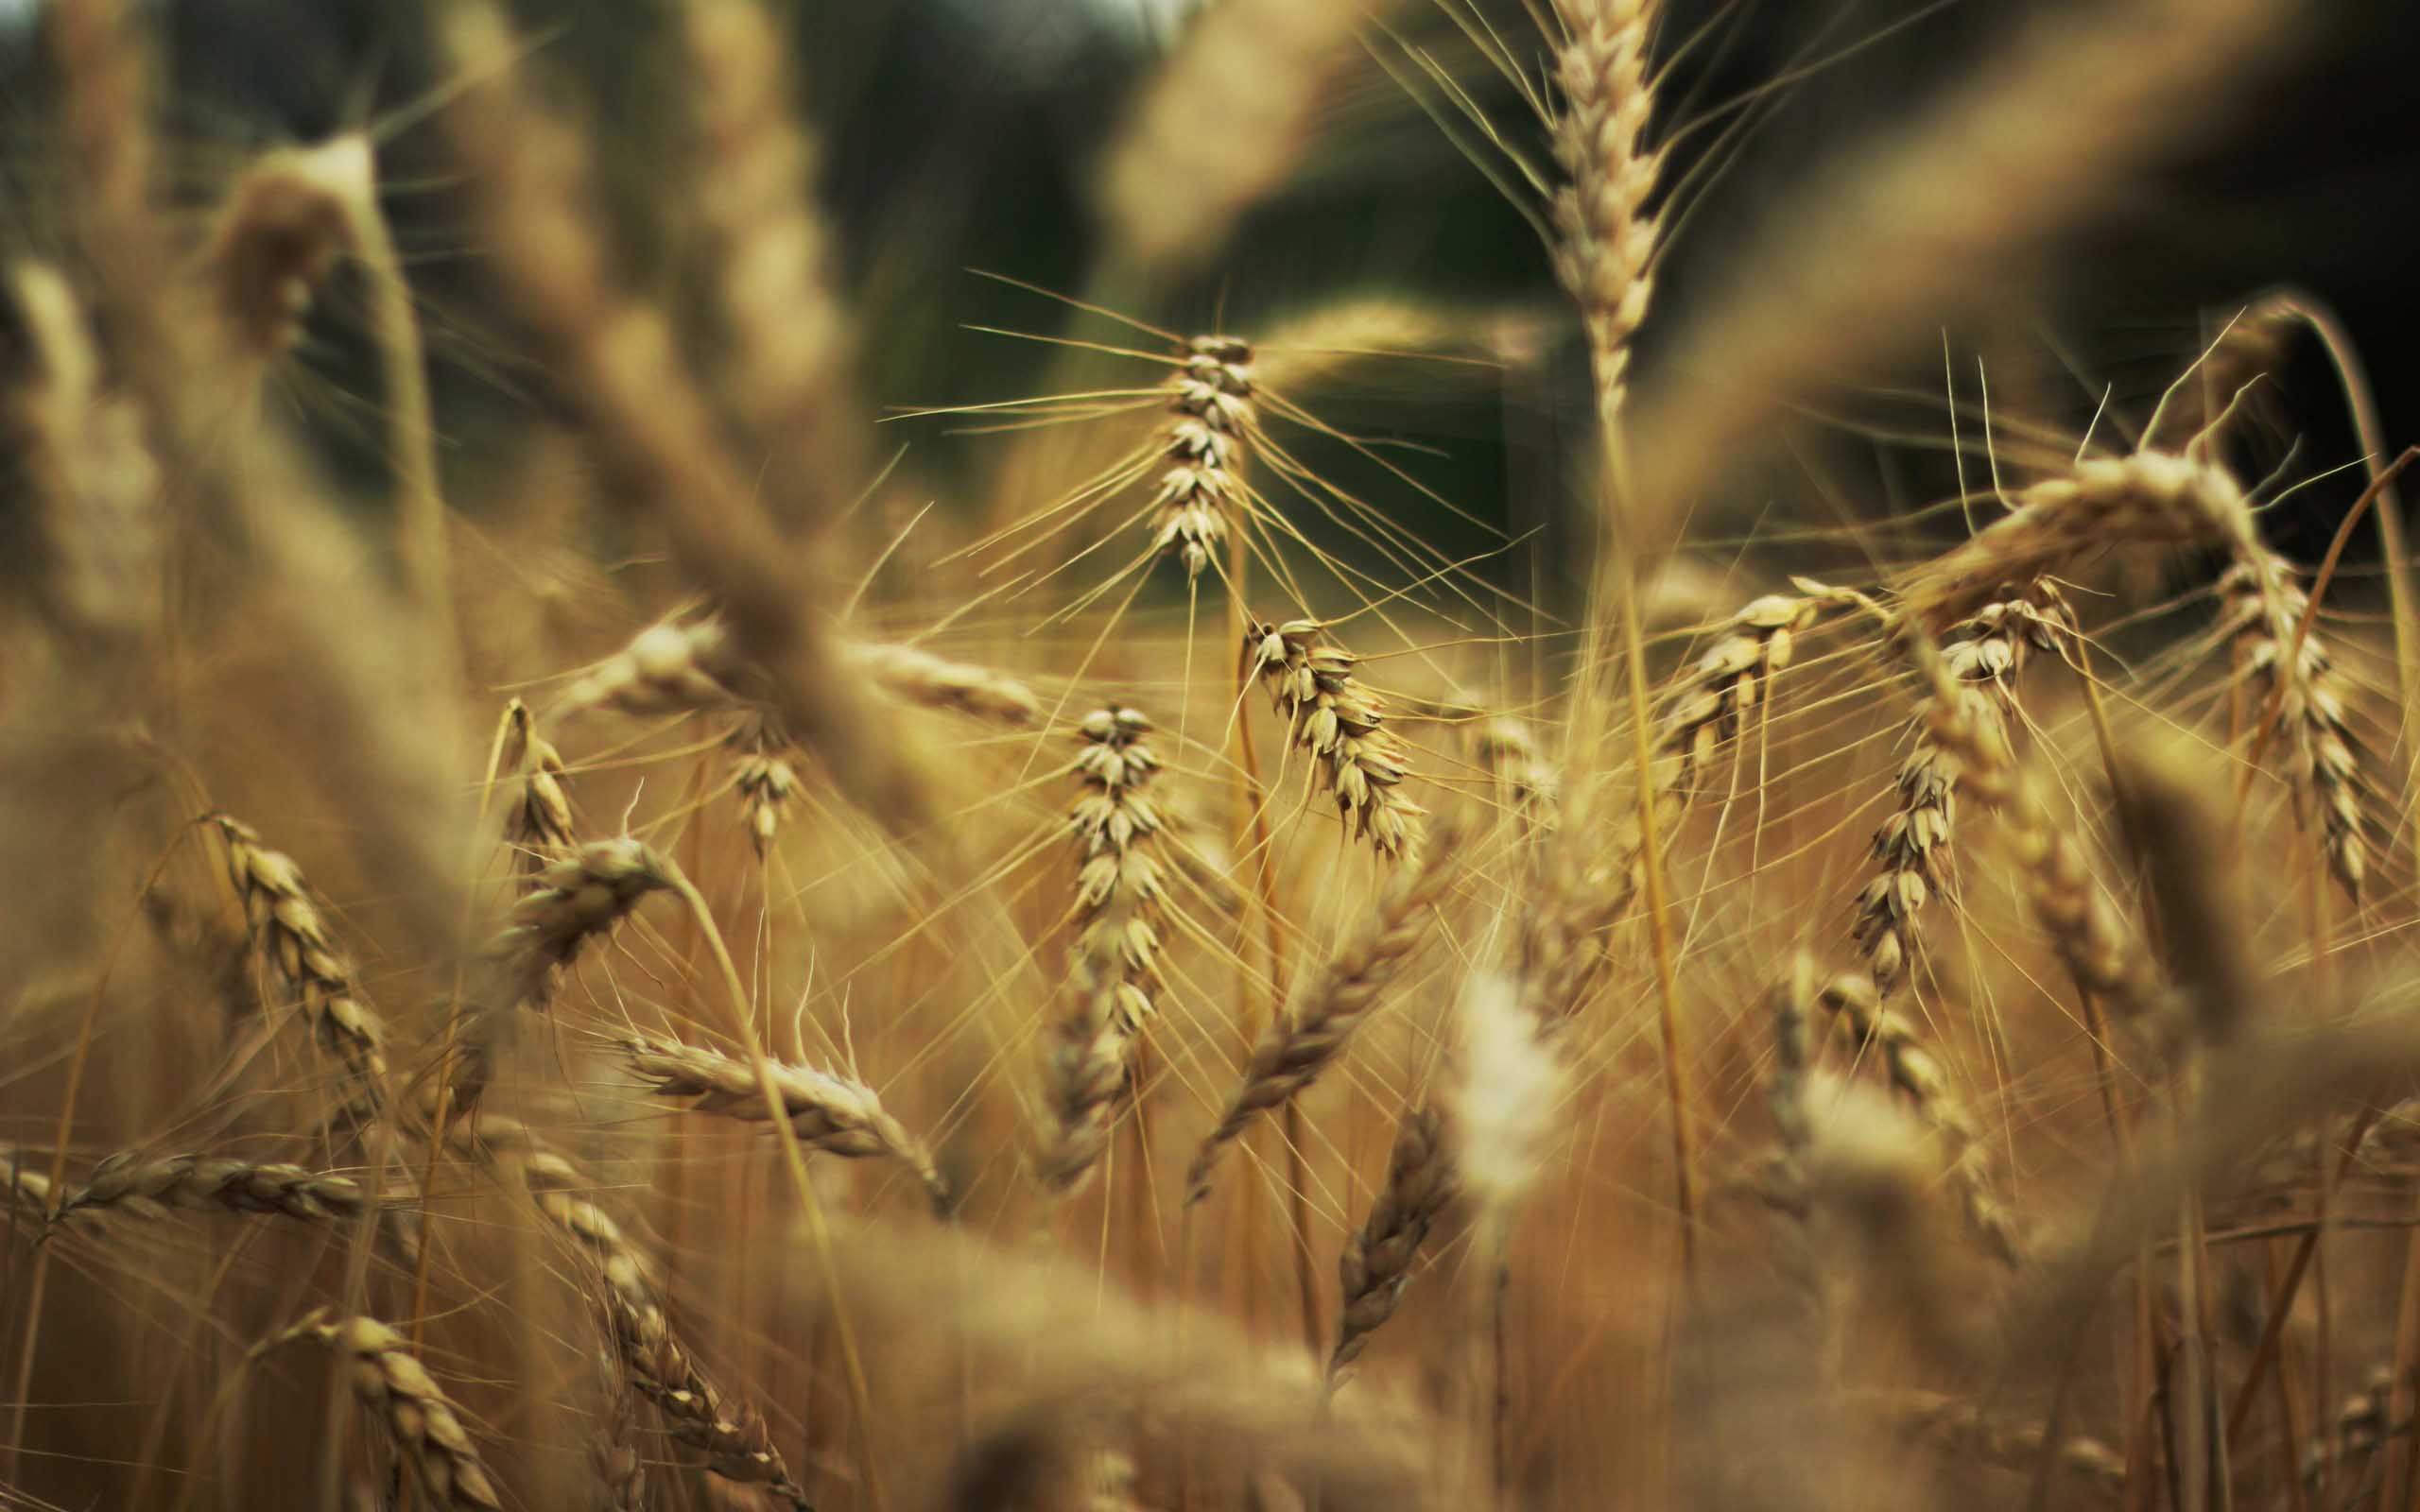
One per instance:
(791,353)
(304,959)
(1919,1077)
(763,777)
(1114,962)
(1211,396)
(1607,235)
(1984,658)
(833,1113)
(390,1380)
(126,1182)
(2264,608)
(2147,498)
(1377,1262)
(1329,713)
(95,490)
(1297,1048)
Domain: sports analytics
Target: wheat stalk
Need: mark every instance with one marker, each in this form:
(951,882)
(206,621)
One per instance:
(1295,1050)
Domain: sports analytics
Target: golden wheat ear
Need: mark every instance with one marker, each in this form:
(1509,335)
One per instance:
(1380,1260)
(426,1425)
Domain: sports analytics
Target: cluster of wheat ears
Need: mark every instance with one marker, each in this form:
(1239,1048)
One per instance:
(658,973)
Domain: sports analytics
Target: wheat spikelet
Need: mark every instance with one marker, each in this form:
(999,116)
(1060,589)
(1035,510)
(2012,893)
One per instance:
(126,1182)
(29,1189)
(676,666)
(1988,652)
(833,1113)
(390,1380)
(1526,782)
(2263,608)
(1377,1262)
(1114,962)
(2090,936)
(791,350)
(1607,235)
(629,1299)
(538,821)
(95,490)
(2146,498)
(1728,682)
(1220,125)
(294,940)
(936,682)
(277,235)
(1330,715)
(1919,1077)
(1211,396)
(763,777)
(1297,1048)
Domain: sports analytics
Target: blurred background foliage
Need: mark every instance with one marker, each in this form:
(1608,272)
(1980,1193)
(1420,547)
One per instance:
(963,135)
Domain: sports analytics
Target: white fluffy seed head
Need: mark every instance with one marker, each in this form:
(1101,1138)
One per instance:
(1509,1089)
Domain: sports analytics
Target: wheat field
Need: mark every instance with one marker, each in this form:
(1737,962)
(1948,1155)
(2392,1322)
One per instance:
(658,951)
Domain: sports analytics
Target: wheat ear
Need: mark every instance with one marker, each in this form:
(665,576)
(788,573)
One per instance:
(1606,237)
(95,489)
(732,1435)
(2146,498)
(762,775)
(836,1114)
(2067,898)
(936,682)
(1526,782)
(1113,963)
(1211,398)
(2265,607)
(1965,1427)
(1329,713)
(1378,1259)
(538,823)
(1919,1077)
(274,240)
(304,957)
(127,1182)
(390,1380)
(1297,1048)
(1985,659)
